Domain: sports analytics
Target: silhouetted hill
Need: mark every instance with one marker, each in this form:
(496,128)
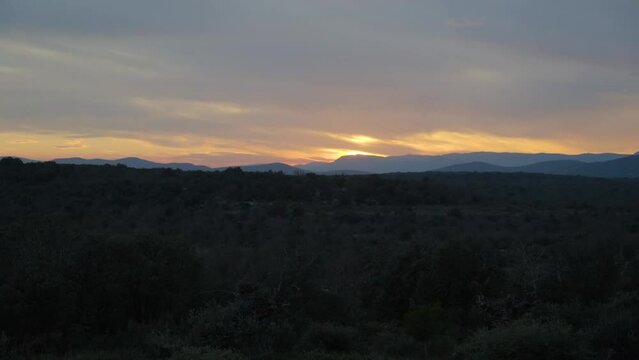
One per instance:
(112,262)
(133,162)
(138,163)
(626,167)
(344,172)
(599,165)
(553,167)
(419,163)
(476,166)
(546,167)
(274,167)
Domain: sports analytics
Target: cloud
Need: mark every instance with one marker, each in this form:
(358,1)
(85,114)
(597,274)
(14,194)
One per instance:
(355,139)
(440,142)
(483,75)
(332,154)
(190,109)
(464,23)
(73,144)
(9,70)
(289,79)
(23,140)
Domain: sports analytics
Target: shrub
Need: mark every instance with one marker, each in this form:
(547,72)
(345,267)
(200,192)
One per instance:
(429,323)
(614,334)
(397,345)
(227,327)
(330,338)
(523,341)
(318,355)
(195,353)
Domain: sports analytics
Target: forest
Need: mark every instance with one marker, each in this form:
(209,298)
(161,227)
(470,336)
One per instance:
(109,263)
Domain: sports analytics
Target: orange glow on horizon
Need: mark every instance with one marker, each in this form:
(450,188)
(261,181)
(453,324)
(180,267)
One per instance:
(225,152)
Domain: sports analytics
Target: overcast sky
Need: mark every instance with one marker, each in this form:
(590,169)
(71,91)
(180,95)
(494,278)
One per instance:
(248,81)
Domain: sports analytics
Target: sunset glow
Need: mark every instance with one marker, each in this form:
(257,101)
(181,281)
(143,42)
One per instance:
(227,82)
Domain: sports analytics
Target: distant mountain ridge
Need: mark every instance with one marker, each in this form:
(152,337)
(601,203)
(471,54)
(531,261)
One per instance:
(420,163)
(597,165)
(274,167)
(137,163)
(133,162)
(626,167)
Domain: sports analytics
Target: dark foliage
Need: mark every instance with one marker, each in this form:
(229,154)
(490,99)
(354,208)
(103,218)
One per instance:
(107,262)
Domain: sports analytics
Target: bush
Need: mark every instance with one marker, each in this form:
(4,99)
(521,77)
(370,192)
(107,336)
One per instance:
(138,279)
(429,323)
(614,333)
(397,345)
(194,353)
(523,341)
(227,327)
(330,338)
(318,355)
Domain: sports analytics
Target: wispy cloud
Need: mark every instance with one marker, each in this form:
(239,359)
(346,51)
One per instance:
(464,22)
(73,144)
(332,154)
(247,80)
(22,140)
(439,142)
(83,57)
(190,109)
(362,140)
(10,70)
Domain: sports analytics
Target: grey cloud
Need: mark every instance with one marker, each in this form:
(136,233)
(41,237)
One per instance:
(502,66)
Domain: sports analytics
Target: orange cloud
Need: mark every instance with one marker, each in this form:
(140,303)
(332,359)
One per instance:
(332,154)
(290,147)
(355,139)
(189,109)
(439,142)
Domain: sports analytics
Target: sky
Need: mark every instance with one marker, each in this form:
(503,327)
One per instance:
(232,82)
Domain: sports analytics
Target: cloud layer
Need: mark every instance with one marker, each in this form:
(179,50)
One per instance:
(241,81)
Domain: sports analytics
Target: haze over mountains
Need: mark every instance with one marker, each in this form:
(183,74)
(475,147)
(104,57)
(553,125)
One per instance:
(597,165)
(419,163)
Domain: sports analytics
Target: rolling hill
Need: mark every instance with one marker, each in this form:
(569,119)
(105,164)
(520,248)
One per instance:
(594,165)
(274,167)
(138,163)
(133,162)
(626,167)
(420,163)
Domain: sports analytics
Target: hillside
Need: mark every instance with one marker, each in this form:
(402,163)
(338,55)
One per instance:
(597,165)
(626,167)
(420,163)
(132,162)
(274,167)
(112,262)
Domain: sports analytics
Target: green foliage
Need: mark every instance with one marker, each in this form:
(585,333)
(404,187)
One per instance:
(395,345)
(110,262)
(192,353)
(141,279)
(329,338)
(235,326)
(318,355)
(431,324)
(524,341)
(613,333)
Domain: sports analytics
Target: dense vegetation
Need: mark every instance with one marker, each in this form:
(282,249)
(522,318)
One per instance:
(107,262)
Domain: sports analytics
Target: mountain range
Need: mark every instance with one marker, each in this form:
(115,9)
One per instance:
(597,165)
(420,163)
(626,167)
